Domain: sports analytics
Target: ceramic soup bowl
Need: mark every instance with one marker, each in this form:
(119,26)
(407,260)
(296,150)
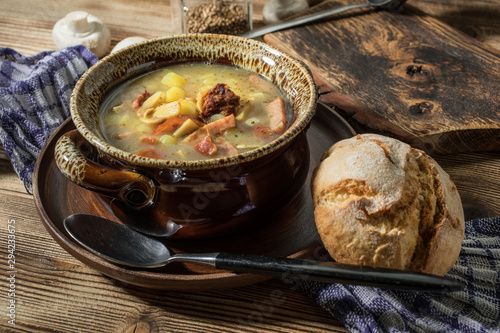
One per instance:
(189,199)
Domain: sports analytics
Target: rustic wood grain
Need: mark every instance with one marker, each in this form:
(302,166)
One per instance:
(57,293)
(406,74)
(3,153)
(479,19)
(9,180)
(27,28)
(477,177)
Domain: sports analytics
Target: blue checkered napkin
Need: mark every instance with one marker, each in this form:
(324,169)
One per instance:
(475,309)
(34,100)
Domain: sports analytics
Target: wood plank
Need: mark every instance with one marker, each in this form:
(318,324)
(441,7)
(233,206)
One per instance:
(479,19)
(9,181)
(30,31)
(404,74)
(3,154)
(52,286)
(477,177)
(152,19)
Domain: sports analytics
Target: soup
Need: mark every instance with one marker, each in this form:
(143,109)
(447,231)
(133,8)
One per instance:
(194,111)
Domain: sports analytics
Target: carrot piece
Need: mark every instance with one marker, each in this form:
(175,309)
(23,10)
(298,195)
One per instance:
(149,140)
(171,124)
(151,153)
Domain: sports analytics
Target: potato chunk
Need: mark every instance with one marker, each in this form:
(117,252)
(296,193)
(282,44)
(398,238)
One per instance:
(174,94)
(188,108)
(168,140)
(173,80)
(187,127)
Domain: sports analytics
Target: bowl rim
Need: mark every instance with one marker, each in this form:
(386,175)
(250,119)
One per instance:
(301,123)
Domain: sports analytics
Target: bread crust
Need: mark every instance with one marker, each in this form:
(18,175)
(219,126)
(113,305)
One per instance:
(381,203)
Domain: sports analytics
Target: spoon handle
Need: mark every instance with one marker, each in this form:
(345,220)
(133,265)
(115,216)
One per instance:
(300,20)
(332,272)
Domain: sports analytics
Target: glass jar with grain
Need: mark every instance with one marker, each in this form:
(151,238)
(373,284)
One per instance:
(212,16)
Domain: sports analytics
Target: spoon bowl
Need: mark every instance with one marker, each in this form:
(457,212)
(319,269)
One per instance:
(121,245)
(105,238)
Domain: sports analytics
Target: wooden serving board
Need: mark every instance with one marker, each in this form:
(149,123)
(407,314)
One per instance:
(404,74)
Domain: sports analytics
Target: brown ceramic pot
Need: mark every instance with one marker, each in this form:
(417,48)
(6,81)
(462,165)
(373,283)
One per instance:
(189,199)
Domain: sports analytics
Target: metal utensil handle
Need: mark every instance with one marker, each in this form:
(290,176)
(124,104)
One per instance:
(300,20)
(335,273)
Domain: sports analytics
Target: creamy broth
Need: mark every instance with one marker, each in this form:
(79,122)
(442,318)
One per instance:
(194,111)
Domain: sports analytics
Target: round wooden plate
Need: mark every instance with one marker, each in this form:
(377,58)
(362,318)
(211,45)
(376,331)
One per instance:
(290,232)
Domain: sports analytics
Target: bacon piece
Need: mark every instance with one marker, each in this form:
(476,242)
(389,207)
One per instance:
(258,81)
(171,124)
(277,115)
(124,135)
(215,127)
(139,100)
(221,125)
(262,132)
(254,79)
(151,153)
(224,147)
(206,146)
(149,140)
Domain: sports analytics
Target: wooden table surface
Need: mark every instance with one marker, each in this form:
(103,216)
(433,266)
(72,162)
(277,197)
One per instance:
(56,293)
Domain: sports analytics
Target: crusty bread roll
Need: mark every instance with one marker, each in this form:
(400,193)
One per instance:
(379,202)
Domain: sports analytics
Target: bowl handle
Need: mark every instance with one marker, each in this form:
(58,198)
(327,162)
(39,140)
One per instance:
(134,188)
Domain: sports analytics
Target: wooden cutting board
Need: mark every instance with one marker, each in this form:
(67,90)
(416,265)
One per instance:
(403,74)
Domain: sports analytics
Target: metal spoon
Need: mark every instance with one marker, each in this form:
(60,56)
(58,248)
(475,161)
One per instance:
(121,245)
(389,4)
